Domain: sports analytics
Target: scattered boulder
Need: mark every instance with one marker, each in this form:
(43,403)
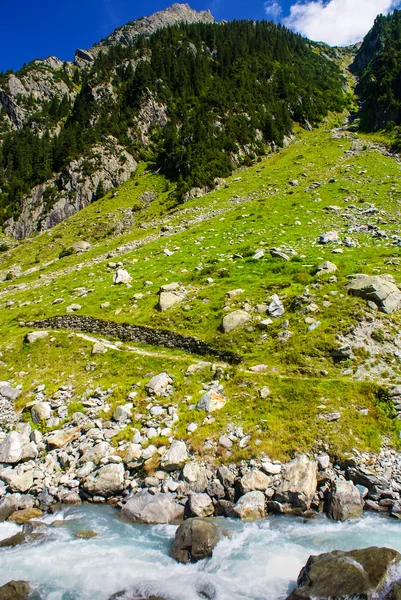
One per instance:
(73,308)
(299,482)
(379,289)
(329,237)
(123,413)
(234,320)
(15,590)
(211,401)
(41,412)
(99,348)
(121,276)
(344,501)
(326,267)
(169,299)
(277,253)
(106,481)
(159,384)
(250,507)
(341,575)
(195,540)
(275,308)
(175,456)
(33,336)
(144,507)
(81,247)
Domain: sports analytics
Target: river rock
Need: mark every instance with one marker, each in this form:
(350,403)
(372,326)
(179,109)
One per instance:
(175,456)
(379,289)
(195,540)
(344,501)
(196,476)
(234,320)
(121,276)
(17,479)
(13,502)
(11,448)
(299,482)
(144,507)
(250,507)
(254,480)
(395,591)
(201,505)
(15,590)
(63,437)
(211,401)
(23,516)
(106,481)
(339,575)
(33,336)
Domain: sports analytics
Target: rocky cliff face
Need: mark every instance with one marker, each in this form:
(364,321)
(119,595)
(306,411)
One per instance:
(70,191)
(24,93)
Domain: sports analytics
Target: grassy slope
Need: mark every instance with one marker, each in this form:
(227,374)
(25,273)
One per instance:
(257,209)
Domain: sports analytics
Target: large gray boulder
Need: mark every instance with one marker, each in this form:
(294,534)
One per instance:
(175,456)
(236,319)
(34,336)
(196,476)
(106,481)
(379,289)
(11,448)
(338,575)
(211,401)
(299,483)
(195,540)
(254,480)
(159,384)
(200,505)
(17,479)
(169,299)
(144,507)
(344,501)
(250,507)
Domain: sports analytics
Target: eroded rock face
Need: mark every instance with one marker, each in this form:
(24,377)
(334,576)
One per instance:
(380,289)
(344,501)
(299,483)
(195,540)
(74,188)
(144,507)
(358,574)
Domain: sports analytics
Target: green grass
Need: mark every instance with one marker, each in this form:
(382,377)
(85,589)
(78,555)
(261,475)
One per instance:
(216,237)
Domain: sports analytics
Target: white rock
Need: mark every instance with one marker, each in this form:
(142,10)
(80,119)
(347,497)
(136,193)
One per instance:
(211,401)
(121,276)
(175,457)
(236,319)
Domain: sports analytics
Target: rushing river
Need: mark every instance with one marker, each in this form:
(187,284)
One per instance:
(260,561)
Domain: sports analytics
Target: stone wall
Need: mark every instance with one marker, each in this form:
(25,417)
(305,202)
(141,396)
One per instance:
(138,334)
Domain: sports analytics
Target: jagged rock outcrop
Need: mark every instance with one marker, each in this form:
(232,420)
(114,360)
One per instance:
(73,189)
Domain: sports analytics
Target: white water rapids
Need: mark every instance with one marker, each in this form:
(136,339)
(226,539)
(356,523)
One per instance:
(260,561)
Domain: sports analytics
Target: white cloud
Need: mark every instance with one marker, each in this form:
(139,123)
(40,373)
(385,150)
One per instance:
(273,9)
(336,22)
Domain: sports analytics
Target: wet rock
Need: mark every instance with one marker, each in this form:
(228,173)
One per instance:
(15,590)
(234,320)
(250,507)
(344,501)
(13,502)
(379,289)
(211,401)
(299,483)
(20,538)
(359,574)
(85,534)
(395,591)
(195,540)
(106,481)
(144,507)
(200,505)
(22,516)
(175,456)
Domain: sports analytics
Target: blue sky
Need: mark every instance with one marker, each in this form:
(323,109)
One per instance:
(38,28)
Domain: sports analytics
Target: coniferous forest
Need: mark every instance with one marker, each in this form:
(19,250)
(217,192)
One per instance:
(230,90)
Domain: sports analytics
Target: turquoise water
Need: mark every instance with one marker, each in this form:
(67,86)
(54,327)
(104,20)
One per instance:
(260,561)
